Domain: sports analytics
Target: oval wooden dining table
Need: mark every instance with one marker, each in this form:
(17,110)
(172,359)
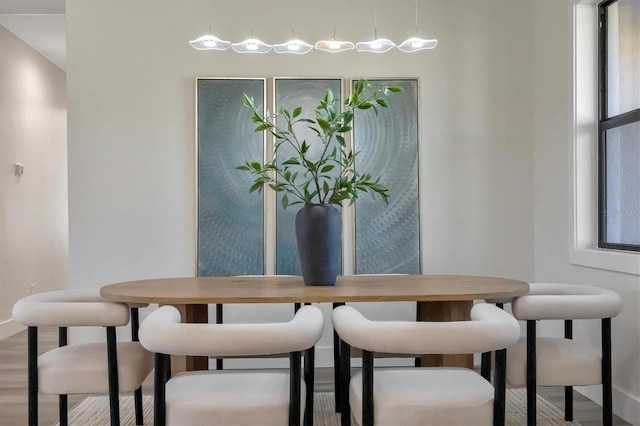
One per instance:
(438,297)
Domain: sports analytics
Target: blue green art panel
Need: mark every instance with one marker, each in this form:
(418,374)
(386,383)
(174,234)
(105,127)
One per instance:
(230,220)
(388,236)
(289,94)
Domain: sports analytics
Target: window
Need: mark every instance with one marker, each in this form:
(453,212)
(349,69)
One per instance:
(619,125)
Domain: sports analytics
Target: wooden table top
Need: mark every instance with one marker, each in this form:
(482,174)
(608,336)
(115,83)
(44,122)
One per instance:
(288,289)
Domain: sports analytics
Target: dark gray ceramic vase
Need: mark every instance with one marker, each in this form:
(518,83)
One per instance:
(319,237)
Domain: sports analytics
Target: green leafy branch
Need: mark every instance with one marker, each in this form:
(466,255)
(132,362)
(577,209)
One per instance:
(310,180)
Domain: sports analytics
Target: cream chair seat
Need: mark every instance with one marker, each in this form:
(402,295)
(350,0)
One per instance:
(90,368)
(229,397)
(425,395)
(551,361)
(88,363)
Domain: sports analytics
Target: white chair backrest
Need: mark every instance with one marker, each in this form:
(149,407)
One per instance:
(70,308)
(566,301)
(163,332)
(490,328)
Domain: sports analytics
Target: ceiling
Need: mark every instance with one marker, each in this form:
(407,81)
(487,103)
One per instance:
(40,24)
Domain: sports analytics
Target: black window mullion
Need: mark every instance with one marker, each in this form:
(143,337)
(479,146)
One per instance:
(620,120)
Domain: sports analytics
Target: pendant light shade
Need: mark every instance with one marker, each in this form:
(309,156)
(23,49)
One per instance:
(380,45)
(414,44)
(295,46)
(251,45)
(209,42)
(334,45)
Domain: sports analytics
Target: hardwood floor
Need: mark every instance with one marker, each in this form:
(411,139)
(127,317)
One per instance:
(13,387)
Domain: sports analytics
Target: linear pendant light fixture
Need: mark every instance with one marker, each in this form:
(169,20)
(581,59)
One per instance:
(299,47)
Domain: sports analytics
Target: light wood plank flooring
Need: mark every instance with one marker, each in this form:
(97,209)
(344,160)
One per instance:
(13,387)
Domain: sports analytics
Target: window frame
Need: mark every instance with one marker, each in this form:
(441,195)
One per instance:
(606,123)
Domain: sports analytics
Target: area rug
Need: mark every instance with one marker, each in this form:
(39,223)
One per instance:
(94,411)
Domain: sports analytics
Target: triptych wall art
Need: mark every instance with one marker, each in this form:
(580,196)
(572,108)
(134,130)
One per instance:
(245,234)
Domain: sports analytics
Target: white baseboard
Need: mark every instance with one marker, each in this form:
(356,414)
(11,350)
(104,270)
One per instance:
(9,328)
(624,405)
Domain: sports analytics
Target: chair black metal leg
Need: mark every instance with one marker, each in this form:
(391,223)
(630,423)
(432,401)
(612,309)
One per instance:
(137,400)
(294,388)
(137,394)
(63,336)
(500,387)
(417,362)
(309,380)
(485,359)
(32,373)
(345,376)
(485,365)
(161,376)
(135,324)
(568,390)
(63,410)
(63,400)
(112,367)
(336,366)
(568,403)
(219,320)
(531,373)
(607,391)
(367,388)
(336,370)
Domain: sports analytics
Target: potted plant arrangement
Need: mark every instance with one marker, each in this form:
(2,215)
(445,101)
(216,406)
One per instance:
(318,181)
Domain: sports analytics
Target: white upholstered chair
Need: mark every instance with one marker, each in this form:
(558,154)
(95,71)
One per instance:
(340,374)
(552,361)
(89,368)
(229,397)
(424,395)
(219,311)
(308,359)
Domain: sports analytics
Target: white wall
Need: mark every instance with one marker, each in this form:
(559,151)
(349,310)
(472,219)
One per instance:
(554,212)
(132,125)
(33,207)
